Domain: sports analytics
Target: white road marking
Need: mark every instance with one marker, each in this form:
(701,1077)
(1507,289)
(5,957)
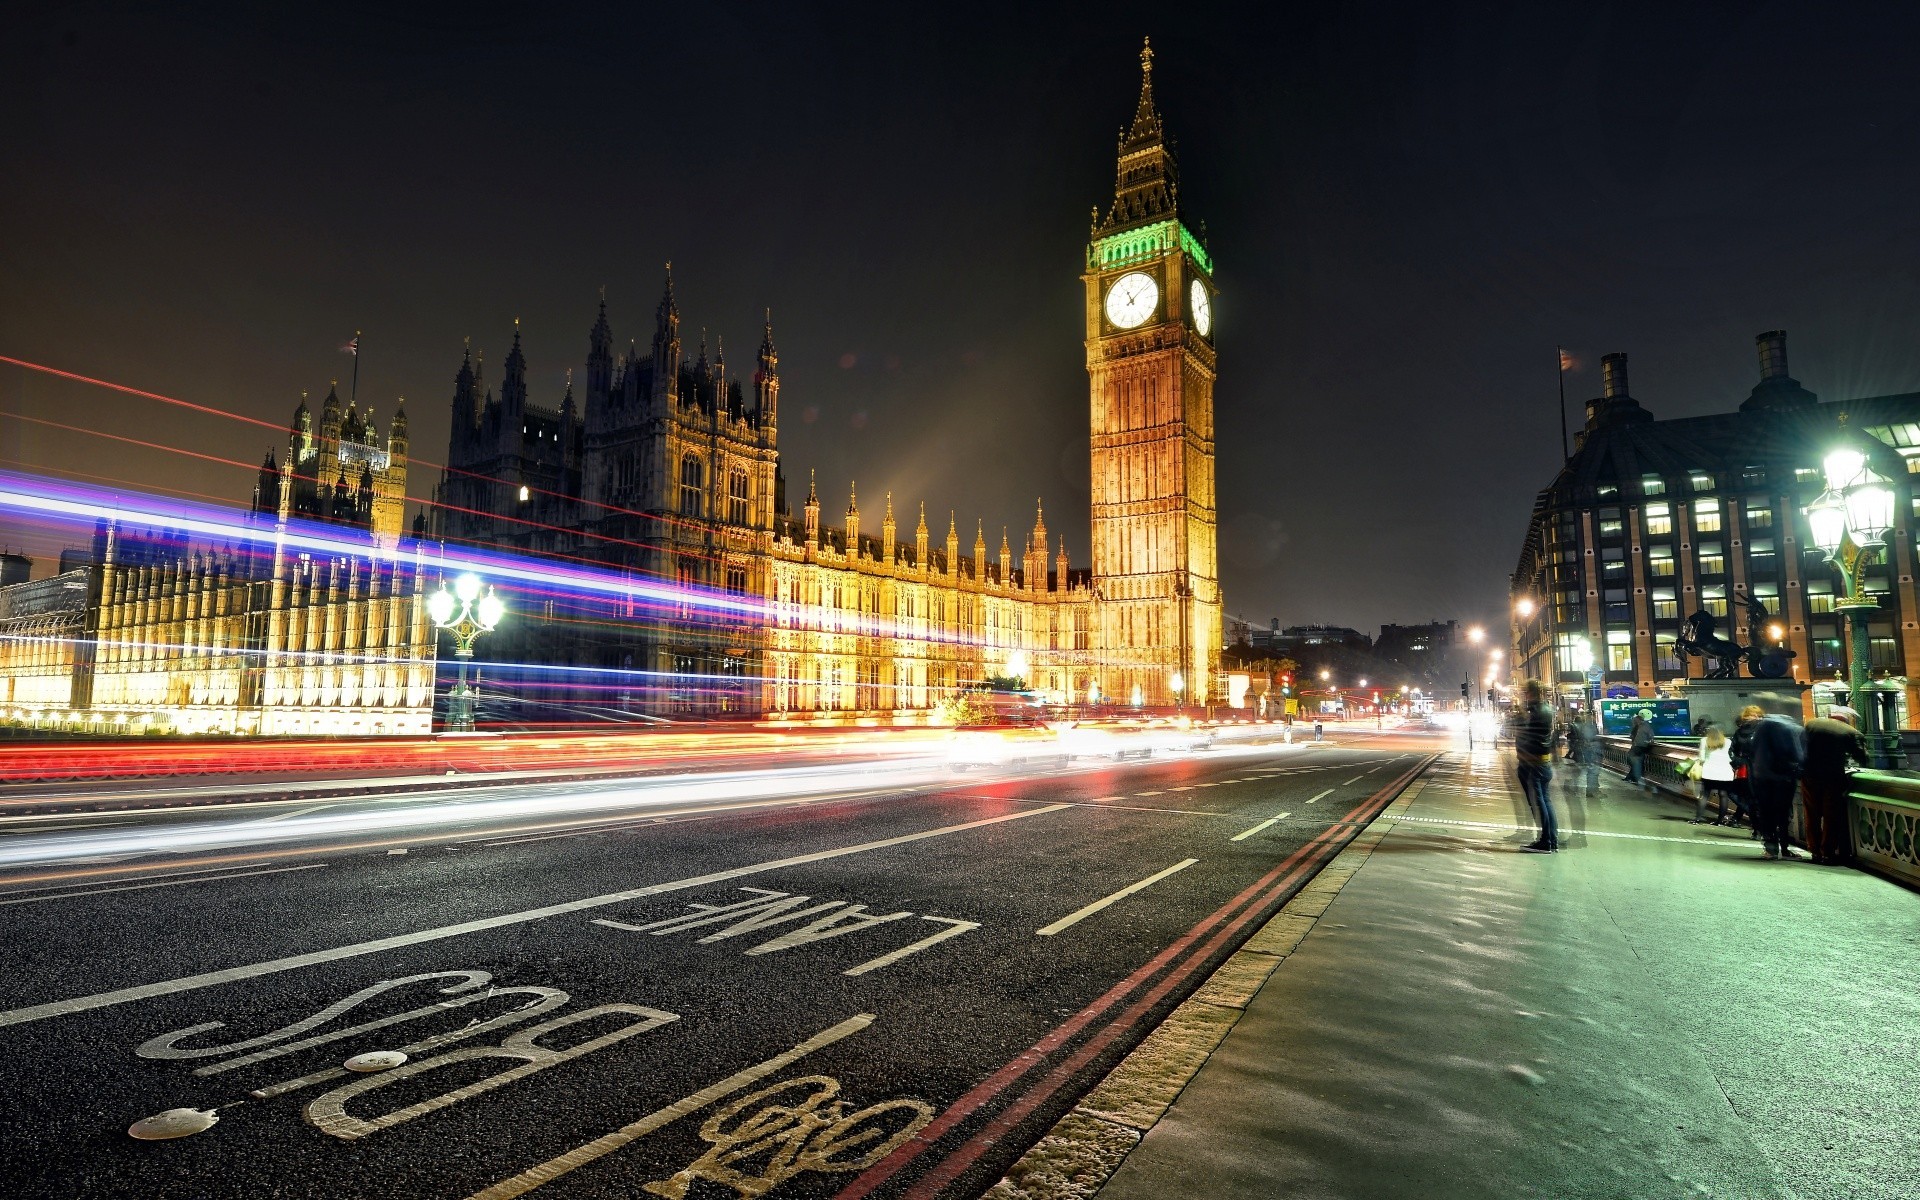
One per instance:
(1139,794)
(1082,914)
(600,1147)
(887,960)
(1355,779)
(1321,796)
(1104,799)
(1383,762)
(136,887)
(188,983)
(1241,837)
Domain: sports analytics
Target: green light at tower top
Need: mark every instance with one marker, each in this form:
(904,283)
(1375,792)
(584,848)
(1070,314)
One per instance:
(1147,242)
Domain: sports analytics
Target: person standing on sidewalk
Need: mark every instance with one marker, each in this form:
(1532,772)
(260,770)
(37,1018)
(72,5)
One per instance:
(1639,745)
(1583,750)
(1716,777)
(1779,756)
(1533,750)
(1832,741)
(1740,752)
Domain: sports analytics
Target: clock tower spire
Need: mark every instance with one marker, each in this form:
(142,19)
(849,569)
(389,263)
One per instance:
(1150,366)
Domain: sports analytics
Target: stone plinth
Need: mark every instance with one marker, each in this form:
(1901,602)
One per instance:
(1720,700)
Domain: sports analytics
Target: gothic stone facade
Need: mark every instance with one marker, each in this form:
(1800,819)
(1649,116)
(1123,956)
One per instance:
(668,468)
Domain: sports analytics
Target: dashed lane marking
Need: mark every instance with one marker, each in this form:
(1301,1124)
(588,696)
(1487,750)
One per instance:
(1241,837)
(1138,795)
(1105,799)
(1354,780)
(188,983)
(1081,914)
(1322,796)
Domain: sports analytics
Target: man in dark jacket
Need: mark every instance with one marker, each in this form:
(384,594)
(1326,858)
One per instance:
(1832,742)
(1533,750)
(1779,757)
(1639,745)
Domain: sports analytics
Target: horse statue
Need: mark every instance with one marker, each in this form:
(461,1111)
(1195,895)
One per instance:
(1699,638)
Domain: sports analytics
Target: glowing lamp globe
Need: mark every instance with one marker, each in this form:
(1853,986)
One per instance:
(1869,512)
(440,606)
(492,608)
(467,587)
(1827,521)
(1843,466)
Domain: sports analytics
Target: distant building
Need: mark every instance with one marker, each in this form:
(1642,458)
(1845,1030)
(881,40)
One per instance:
(1650,521)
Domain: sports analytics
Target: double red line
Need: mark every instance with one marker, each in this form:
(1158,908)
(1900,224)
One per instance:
(1213,932)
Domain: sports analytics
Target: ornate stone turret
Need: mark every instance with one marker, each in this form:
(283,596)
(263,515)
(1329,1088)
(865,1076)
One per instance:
(1006,558)
(766,381)
(600,360)
(886,532)
(666,343)
(513,389)
(953,544)
(920,539)
(813,514)
(853,522)
(979,550)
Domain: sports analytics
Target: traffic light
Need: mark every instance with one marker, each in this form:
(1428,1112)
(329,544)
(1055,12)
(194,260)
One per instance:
(1489,695)
(1465,693)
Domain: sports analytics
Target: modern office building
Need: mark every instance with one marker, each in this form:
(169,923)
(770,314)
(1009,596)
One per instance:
(1650,521)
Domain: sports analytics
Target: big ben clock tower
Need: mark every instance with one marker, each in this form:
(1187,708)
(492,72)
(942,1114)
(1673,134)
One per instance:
(1150,301)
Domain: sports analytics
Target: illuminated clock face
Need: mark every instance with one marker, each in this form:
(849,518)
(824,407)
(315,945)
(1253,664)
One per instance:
(1202,308)
(1131,299)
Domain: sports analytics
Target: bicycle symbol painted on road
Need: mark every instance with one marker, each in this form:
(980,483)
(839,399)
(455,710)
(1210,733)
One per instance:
(797,1127)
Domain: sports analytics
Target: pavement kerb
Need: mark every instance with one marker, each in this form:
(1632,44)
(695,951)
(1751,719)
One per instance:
(1084,1148)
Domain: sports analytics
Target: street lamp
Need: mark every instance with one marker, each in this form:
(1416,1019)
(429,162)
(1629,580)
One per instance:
(1179,685)
(1849,522)
(465,613)
(1476,635)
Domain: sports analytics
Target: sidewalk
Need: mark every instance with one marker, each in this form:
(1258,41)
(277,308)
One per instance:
(1654,1011)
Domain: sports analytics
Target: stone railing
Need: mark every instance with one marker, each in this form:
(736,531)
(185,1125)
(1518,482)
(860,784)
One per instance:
(1885,818)
(1883,813)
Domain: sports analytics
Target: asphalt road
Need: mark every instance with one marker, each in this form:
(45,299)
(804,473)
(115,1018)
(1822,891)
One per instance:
(884,995)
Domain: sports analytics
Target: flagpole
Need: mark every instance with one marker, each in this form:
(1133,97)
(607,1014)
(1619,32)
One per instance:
(353,393)
(1560,361)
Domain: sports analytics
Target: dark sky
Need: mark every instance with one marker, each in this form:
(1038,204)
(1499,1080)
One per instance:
(1408,208)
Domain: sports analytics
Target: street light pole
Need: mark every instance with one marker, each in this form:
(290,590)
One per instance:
(465,613)
(1849,522)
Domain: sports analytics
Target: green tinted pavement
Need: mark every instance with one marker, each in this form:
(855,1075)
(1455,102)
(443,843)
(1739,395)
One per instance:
(1654,1011)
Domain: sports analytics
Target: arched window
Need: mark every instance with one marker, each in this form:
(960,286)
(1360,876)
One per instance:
(737,497)
(690,486)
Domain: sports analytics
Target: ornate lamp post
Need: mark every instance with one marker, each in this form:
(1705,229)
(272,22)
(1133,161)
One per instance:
(1179,685)
(1849,522)
(465,613)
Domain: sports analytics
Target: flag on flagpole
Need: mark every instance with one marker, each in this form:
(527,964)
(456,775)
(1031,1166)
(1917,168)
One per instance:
(1566,360)
(352,347)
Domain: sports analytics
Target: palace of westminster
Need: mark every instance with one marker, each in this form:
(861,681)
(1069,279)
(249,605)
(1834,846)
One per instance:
(667,468)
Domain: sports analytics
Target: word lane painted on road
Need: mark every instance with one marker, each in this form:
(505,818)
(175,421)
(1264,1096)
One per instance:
(765,910)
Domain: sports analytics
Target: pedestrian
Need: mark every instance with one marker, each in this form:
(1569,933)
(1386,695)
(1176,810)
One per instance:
(1740,754)
(1832,742)
(1583,750)
(1533,753)
(1318,729)
(1779,756)
(1639,745)
(1716,777)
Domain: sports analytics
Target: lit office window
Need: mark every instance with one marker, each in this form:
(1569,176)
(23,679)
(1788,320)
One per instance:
(1706,516)
(1659,519)
(1620,650)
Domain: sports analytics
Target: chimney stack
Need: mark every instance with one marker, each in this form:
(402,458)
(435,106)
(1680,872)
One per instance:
(1614,370)
(1773,354)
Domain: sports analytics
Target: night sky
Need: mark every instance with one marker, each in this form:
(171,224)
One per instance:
(1408,209)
